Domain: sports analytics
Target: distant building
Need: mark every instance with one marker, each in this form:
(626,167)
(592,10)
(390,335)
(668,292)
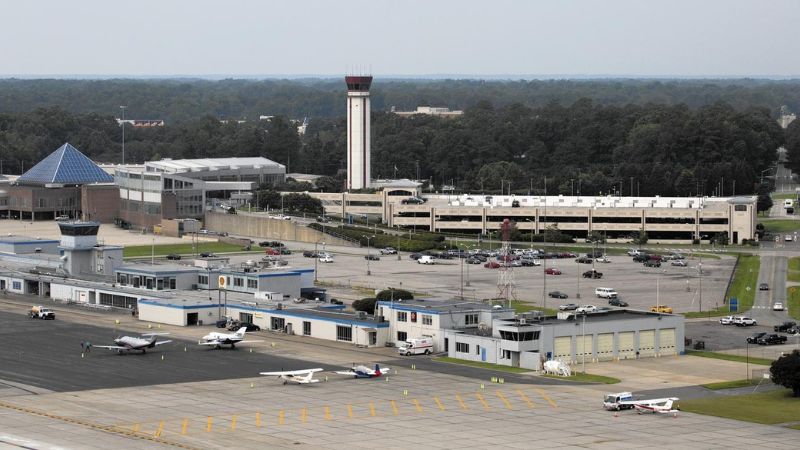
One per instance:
(430,111)
(142,123)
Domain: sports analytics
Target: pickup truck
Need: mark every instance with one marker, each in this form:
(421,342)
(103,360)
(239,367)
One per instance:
(755,338)
(40,312)
(771,339)
(592,274)
(784,327)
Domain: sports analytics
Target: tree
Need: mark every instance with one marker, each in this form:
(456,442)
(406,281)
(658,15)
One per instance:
(390,294)
(596,236)
(640,237)
(786,372)
(365,304)
(764,203)
(302,203)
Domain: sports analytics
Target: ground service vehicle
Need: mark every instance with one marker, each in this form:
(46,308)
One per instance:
(416,347)
(40,312)
(618,401)
(605,292)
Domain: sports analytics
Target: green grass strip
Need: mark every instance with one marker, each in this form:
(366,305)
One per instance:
(793,301)
(727,357)
(730,384)
(771,407)
(780,225)
(482,365)
(746,276)
(587,378)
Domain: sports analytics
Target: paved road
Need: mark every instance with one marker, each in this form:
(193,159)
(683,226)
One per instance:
(773,272)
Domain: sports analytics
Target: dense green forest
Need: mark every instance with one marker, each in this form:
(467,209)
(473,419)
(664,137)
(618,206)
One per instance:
(585,147)
(180,101)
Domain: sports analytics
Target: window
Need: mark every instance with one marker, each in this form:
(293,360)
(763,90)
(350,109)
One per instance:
(413,317)
(172,283)
(252,284)
(238,282)
(477,349)
(427,319)
(521,336)
(16,285)
(203,279)
(506,354)
(344,333)
(740,208)
(471,319)
(462,347)
(402,316)
(402,336)
(159,284)
(306,328)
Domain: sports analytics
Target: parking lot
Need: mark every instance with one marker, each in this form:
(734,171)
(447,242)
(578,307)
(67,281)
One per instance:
(642,287)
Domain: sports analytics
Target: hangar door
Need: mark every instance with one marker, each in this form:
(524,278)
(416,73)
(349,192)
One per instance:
(605,347)
(562,348)
(626,348)
(647,343)
(584,347)
(666,341)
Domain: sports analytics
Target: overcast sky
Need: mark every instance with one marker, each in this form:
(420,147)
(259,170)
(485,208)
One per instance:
(401,37)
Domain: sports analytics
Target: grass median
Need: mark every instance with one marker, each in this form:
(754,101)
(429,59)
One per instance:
(793,302)
(771,407)
(731,384)
(743,287)
(780,225)
(479,364)
(138,251)
(727,357)
(586,378)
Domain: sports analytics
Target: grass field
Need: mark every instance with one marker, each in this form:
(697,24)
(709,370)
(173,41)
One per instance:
(730,384)
(727,357)
(772,407)
(587,378)
(780,225)
(793,302)
(794,269)
(523,307)
(784,196)
(746,275)
(482,365)
(181,249)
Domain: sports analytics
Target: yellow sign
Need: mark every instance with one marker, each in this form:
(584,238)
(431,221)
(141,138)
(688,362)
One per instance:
(221,282)
(793,289)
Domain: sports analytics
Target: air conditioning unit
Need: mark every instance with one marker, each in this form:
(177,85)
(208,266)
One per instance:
(523,321)
(361,314)
(279,306)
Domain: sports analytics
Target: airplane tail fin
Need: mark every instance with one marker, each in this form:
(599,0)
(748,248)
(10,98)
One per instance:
(241,331)
(377,369)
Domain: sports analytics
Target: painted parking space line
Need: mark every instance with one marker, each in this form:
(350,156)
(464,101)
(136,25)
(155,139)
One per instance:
(525,398)
(258,419)
(483,401)
(504,399)
(438,403)
(546,397)
(304,415)
(233,423)
(281,417)
(372,409)
(461,402)
(394,407)
(184,427)
(349,411)
(209,424)
(327,413)
(417,405)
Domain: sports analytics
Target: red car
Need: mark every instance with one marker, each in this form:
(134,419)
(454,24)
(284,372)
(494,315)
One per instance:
(552,271)
(272,251)
(492,265)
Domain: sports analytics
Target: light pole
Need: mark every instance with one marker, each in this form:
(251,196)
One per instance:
(578,295)
(123,133)
(369,254)
(532,229)
(398,243)
(316,261)
(583,332)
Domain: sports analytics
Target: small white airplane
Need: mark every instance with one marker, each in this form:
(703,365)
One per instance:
(365,372)
(128,343)
(659,405)
(220,339)
(305,376)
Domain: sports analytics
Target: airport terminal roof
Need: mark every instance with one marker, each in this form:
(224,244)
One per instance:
(439,306)
(210,164)
(66,165)
(585,201)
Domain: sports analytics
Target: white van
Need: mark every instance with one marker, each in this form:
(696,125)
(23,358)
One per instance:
(426,259)
(604,292)
(416,347)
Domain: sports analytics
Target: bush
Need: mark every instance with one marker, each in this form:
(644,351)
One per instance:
(786,372)
(365,304)
(394,294)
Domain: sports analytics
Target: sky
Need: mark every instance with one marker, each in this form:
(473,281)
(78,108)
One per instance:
(406,38)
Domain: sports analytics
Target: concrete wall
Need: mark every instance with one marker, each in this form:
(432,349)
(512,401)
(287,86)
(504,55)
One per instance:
(100,202)
(264,227)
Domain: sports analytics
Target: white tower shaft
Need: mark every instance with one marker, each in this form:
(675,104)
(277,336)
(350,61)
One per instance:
(358,132)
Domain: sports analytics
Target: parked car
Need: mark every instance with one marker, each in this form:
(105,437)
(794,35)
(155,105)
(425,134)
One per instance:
(678,262)
(755,337)
(552,271)
(568,307)
(727,320)
(326,259)
(388,251)
(640,258)
(426,259)
(527,262)
(771,339)
(592,274)
(492,265)
(584,260)
(372,257)
(415,256)
(206,255)
(174,257)
(777,306)
(557,294)
(309,254)
(472,260)
(603,259)
(413,201)
(617,302)
(763,287)
(586,309)
(652,263)
(784,327)
(235,325)
(742,321)
(285,251)
(323,219)
(661,309)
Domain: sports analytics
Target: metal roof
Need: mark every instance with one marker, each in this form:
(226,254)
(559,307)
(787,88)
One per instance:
(67,165)
(209,164)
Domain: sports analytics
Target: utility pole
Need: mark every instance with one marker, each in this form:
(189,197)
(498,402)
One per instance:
(123,133)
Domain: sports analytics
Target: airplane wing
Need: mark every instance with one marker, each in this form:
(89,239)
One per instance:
(163,342)
(304,381)
(110,347)
(346,372)
(210,343)
(291,373)
(154,334)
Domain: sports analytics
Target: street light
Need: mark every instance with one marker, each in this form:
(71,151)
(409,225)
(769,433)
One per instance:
(532,229)
(316,261)
(123,133)
(369,254)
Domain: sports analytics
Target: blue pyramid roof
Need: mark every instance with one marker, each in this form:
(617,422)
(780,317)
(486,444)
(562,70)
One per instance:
(67,165)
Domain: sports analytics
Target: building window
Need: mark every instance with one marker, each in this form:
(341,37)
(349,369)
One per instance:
(172,283)
(252,284)
(427,319)
(740,208)
(471,319)
(402,316)
(203,279)
(16,285)
(506,354)
(477,349)
(344,333)
(238,282)
(402,336)
(306,328)
(159,284)
(462,347)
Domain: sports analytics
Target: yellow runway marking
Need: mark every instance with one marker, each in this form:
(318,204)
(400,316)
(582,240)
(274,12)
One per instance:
(281,417)
(258,419)
(525,398)
(438,403)
(549,400)
(483,401)
(160,429)
(350,411)
(504,399)
(394,407)
(135,428)
(304,415)
(372,409)
(184,426)
(327,413)
(461,402)
(233,423)
(417,405)
(209,423)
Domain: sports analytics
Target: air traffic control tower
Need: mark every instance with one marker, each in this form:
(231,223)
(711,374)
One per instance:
(358,132)
(82,255)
